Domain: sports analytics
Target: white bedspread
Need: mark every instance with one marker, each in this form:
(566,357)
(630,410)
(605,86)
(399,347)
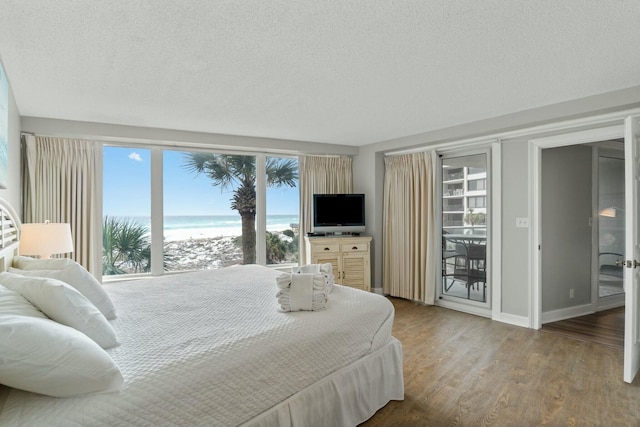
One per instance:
(212,348)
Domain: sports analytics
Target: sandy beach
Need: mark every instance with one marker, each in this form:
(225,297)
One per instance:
(201,253)
(204,253)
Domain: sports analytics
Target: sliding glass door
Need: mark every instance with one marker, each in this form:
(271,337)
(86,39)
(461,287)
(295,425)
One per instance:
(464,212)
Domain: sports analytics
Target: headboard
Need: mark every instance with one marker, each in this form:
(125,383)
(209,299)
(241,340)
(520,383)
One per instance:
(9,234)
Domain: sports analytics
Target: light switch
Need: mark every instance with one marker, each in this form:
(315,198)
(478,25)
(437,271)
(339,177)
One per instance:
(522,222)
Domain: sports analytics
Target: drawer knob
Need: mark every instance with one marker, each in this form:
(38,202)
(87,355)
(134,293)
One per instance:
(355,248)
(326,249)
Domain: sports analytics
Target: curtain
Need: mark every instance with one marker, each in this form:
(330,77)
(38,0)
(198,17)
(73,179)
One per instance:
(62,181)
(320,175)
(409,232)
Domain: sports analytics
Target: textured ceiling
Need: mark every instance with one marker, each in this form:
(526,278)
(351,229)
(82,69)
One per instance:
(335,71)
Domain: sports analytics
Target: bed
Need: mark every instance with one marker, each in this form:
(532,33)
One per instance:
(212,348)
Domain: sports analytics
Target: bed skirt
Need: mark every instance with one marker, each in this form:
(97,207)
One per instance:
(345,398)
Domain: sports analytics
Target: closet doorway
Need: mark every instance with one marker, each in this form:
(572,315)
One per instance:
(582,229)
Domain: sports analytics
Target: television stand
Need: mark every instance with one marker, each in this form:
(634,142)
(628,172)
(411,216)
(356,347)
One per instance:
(350,257)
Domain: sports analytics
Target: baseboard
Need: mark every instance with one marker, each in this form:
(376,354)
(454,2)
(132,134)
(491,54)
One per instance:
(611,302)
(512,319)
(566,313)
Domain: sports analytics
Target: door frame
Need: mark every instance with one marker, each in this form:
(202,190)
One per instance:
(535,181)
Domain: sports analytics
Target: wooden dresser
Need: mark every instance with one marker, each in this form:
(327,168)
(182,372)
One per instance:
(350,257)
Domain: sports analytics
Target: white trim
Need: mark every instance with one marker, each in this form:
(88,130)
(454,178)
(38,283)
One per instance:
(513,319)
(202,148)
(495,270)
(612,301)
(467,306)
(567,313)
(535,153)
(581,137)
(595,227)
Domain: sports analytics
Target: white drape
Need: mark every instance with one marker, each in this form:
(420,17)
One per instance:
(61,183)
(409,232)
(320,175)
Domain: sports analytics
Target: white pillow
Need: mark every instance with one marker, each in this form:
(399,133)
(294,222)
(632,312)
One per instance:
(11,302)
(28,263)
(77,276)
(43,356)
(63,304)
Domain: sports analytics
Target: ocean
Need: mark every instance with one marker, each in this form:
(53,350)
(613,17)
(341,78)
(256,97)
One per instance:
(201,226)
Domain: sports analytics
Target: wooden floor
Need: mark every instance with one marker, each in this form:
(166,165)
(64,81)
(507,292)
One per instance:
(464,370)
(604,327)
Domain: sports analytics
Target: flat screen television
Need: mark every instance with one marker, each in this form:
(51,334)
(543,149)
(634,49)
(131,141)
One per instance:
(338,213)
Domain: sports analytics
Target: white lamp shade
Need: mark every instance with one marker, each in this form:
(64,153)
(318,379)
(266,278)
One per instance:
(610,212)
(44,239)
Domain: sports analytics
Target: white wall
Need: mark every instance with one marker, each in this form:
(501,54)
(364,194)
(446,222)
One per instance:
(369,160)
(515,240)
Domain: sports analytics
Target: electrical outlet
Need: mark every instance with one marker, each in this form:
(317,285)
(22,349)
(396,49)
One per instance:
(522,222)
(571,293)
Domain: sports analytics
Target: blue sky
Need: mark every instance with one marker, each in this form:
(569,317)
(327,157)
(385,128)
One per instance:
(127,188)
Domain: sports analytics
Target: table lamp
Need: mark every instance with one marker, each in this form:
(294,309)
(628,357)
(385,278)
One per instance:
(45,239)
(610,212)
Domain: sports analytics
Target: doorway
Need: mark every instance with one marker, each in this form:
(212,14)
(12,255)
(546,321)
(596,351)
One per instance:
(582,229)
(576,298)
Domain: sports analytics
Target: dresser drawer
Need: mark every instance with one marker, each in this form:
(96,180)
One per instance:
(333,247)
(354,247)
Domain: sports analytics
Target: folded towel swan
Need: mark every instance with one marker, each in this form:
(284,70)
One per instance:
(303,290)
(325,269)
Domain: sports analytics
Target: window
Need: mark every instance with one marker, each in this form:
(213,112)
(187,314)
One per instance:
(477,185)
(452,174)
(201,224)
(209,211)
(283,207)
(453,205)
(126,238)
(477,202)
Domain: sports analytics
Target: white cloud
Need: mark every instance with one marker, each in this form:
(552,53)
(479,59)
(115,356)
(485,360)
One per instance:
(135,156)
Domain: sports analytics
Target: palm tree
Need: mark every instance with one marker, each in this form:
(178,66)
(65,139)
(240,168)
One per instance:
(239,172)
(125,247)
(276,248)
